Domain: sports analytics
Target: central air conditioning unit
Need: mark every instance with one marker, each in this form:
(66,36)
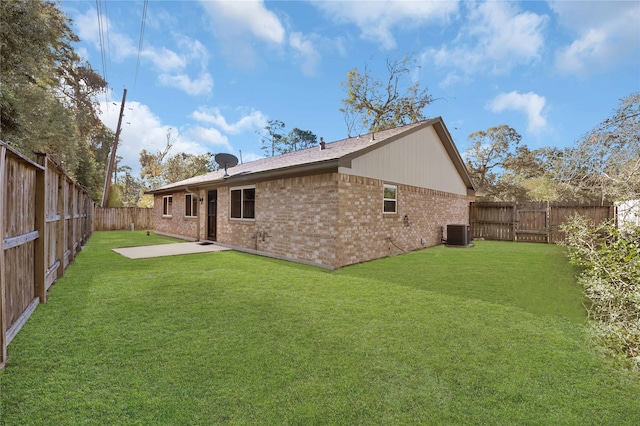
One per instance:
(458,235)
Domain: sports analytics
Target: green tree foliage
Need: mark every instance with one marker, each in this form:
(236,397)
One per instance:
(377,105)
(115,197)
(152,164)
(611,278)
(184,166)
(47,97)
(300,139)
(488,156)
(603,165)
(273,140)
(130,188)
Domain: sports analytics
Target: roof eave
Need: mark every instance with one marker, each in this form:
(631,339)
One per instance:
(252,177)
(450,147)
(300,169)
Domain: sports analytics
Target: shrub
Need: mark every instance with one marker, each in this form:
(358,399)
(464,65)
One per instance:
(610,262)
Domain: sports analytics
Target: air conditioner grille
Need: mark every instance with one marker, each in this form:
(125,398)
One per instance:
(458,235)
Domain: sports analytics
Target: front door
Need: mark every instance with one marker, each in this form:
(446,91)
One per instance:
(212,210)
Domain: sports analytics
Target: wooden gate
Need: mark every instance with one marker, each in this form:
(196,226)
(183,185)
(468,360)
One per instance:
(537,222)
(532,223)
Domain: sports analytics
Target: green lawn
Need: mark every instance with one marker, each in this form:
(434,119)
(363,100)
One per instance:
(495,334)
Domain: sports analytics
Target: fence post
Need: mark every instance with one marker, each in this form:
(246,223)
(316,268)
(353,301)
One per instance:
(3,269)
(471,219)
(548,222)
(514,222)
(60,243)
(40,269)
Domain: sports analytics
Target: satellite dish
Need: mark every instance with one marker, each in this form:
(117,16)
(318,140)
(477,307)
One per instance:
(226,160)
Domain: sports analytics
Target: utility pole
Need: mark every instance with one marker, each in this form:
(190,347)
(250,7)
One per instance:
(112,158)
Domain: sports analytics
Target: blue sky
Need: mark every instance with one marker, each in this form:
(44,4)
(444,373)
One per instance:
(216,71)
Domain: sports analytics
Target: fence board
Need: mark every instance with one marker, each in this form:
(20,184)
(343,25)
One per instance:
(43,223)
(530,222)
(121,218)
(493,222)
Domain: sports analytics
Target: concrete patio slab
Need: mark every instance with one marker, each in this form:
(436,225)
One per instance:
(160,250)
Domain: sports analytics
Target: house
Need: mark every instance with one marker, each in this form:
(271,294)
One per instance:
(628,214)
(337,204)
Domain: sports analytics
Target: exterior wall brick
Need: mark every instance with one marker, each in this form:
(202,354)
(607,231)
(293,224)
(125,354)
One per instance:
(177,223)
(330,219)
(296,218)
(367,233)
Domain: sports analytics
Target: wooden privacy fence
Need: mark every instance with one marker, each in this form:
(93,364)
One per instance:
(120,218)
(45,218)
(531,222)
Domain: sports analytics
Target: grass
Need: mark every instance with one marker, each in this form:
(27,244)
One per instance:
(490,335)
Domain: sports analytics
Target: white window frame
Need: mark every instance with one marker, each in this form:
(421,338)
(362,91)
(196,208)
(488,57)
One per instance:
(191,201)
(167,206)
(385,199)
(242,190)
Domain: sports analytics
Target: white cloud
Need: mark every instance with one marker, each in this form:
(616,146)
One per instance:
(174,68)
(606,33)
(201,85)
(377,19)
(193,50)
(253,121)
(240,17)
(210,136)
(164,59)
(452,79)
(531,104)
(496,38)
(237,23)
(142,129)
(306,51)
(121,47)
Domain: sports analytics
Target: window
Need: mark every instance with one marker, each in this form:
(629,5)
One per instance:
(243,203)
(167,203)
(390,199)
(191,205)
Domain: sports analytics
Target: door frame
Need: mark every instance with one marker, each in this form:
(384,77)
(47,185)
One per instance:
(212,213)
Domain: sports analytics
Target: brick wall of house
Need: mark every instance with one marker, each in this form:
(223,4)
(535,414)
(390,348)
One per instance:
(177,224)
(329,219)
(367,233)
(296,218)
(235,232)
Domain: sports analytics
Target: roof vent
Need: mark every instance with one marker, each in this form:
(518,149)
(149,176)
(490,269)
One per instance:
(322,143)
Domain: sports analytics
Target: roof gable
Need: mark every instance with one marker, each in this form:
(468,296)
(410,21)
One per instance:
(335,154)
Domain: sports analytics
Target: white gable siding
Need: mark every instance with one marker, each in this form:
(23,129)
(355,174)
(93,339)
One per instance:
(418,159)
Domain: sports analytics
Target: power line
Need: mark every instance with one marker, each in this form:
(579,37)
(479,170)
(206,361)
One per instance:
(103,55)
(106,14)
(101,39)
(144,19)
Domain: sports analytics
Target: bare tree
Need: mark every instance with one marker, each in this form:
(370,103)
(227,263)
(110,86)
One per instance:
(377,105)
(604,164)
(152,163)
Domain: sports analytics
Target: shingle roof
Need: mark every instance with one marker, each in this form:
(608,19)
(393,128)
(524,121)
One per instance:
(310,158)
